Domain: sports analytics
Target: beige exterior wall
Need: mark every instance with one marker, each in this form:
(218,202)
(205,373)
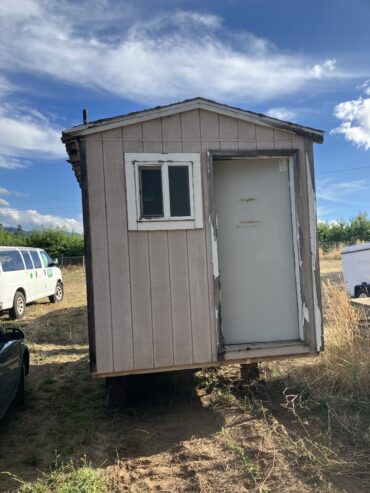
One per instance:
(153,291)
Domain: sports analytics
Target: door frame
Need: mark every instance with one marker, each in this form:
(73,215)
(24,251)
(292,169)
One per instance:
(307,329)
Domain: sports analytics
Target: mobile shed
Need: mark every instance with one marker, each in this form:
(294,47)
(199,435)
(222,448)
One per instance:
(200,228)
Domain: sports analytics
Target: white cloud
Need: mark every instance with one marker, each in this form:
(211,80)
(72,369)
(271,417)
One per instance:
(172,56)
(4,202)
(282,113)
(339,192)
(323,211)
(31,219)
(27,133)
(5,86)
(8,162)
(6,191)
(19,8)
(355,116)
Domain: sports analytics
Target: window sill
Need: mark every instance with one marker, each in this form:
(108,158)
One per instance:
(158,225)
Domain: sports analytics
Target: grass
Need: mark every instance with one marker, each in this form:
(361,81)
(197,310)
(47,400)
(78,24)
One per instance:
(342,371)
(67,478)
(305,427)
(331,254)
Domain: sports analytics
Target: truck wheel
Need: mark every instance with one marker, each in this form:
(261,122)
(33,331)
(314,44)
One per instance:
(58,295)
(19,306)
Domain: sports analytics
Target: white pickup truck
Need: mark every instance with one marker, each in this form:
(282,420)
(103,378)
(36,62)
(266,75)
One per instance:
(26,275)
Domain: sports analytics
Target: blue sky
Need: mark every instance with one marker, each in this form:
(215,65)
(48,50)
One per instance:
(304,61)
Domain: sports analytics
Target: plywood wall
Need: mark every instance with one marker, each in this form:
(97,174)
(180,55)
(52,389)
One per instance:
(153,291)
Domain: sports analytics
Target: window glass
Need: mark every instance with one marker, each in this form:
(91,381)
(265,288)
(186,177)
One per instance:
(178,178)
(36,259)
(151,191)
(11,260)
(46,260)
(27,259)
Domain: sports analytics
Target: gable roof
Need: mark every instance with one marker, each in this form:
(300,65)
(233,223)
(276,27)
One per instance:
(187,105)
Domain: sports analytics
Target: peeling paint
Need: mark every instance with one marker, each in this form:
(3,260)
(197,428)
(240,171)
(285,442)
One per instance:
(306,313)
(296,246)
(313,229)
(215,264)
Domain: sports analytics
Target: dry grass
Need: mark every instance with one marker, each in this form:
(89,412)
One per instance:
(330,395)
(305,427)
(332,254)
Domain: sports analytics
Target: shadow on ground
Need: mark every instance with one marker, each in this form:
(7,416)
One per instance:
(66,415)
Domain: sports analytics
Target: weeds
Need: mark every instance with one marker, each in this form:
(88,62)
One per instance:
(340,376)
(66,478)
(247,463)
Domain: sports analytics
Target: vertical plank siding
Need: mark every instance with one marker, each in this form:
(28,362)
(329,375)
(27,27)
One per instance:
(161,299)
(99,253)
(120,293)
(153,291)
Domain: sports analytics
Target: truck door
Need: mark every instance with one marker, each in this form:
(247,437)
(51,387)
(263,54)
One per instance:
(50,277)
(40,275)
(31,276)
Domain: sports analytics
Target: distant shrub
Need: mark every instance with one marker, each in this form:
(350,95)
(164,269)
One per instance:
(55,241)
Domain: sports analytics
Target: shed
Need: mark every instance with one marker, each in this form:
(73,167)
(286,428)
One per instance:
(200,229)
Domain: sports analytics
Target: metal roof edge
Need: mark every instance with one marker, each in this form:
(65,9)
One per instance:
(187,105)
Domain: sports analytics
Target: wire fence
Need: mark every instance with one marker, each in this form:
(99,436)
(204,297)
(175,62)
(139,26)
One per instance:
(330,246)
(71,261)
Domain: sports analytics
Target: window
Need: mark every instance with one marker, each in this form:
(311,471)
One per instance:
(36,259)
(178,182)
(11,260)
(46,260)
(151,191)
(27,259)
(164,191)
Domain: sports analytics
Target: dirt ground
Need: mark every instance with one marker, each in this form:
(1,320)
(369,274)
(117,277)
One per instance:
(206,433)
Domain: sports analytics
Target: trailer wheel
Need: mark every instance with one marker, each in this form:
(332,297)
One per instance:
(19,306)
(249,374)
(115,391)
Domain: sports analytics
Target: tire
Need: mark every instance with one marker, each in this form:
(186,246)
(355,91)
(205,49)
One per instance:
(58,296)
(116,392)
(21,392)
(19,306)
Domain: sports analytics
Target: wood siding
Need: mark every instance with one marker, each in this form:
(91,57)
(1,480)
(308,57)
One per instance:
(154,291)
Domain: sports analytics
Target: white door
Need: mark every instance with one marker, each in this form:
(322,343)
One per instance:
(256,253)
(31,276)
(40,275)
(50,280)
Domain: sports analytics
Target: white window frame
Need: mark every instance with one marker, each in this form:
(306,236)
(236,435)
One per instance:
(133,161)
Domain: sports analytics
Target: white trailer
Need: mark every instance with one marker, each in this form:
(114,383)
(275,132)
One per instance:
(356,270)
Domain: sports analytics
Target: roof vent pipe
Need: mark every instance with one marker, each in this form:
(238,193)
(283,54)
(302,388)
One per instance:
(84,116)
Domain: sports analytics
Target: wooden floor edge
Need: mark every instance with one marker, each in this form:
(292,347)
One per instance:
(214,364)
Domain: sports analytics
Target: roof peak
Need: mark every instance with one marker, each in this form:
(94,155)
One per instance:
(198,102)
